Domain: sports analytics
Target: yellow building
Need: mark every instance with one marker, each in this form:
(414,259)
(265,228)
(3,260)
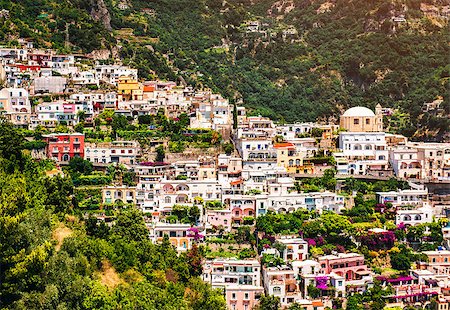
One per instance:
(129,89)
(361,119)
(292,159)
(115,194)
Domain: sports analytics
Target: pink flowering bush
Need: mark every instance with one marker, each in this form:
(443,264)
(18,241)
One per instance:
(195,233)
(321,282)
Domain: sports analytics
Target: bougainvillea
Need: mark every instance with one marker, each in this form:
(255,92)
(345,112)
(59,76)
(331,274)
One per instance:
(311,242)
(321,282)
(195,233)
(378,241)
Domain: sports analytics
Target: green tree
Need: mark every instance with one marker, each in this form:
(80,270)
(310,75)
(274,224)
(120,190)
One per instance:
(119,122)
(11,141)
(130,226)
(400,261)
(78,164)
(160,154)
(228,148)
(268,302)
(79,127)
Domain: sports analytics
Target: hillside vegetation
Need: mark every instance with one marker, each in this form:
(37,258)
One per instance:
(306,59)
(51,257)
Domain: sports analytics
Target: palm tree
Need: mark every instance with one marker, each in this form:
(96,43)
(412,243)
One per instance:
(81,116)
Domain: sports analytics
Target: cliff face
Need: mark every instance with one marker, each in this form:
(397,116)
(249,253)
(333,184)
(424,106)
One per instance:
(99,12)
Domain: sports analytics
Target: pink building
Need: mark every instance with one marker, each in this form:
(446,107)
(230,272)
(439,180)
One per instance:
(217,218)
(348,265)
(242,297)
(438,261)
(69,107)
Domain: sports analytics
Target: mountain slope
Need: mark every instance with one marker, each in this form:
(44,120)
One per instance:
(304,59)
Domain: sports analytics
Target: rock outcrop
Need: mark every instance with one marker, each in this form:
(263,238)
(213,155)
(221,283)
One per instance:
(99,12)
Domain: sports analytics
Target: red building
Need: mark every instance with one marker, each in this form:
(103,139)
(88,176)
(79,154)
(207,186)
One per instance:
(64,146)
(40,58)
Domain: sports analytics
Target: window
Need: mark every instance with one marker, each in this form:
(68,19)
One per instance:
(246,296)
(277,290)
(233,296)
(356,121)
(367,121)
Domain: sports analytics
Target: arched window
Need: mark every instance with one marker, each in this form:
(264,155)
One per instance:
(277,290)
(357,147)
(291,162)
(407,218)
(168,199)
(417,217)
(65,157)
(368,147)
(297,162)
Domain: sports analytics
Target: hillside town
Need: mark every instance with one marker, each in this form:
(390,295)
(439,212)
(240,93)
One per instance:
(312,213)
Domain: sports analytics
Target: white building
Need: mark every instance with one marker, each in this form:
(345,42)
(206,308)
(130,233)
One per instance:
(15,105)
(223,272)
(363,145)
(49,84)
(415,216)
(282,282)
(296,248)
(85,78)
(112,73)
(408,197)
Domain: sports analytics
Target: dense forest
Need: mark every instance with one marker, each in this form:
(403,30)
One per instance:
(51,257)
(304,60)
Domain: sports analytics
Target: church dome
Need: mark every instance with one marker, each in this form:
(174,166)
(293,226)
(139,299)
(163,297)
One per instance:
(359,112)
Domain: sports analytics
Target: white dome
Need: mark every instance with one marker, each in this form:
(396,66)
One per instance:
(359,111)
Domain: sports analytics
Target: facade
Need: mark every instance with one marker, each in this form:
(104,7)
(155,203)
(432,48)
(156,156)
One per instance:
(118,195)
(438,262)
(415,216)
(409,197)
(121,152)
(351,266)
(296,249)
(15,106)
(406,163)
(63,147)
(242,297)
(179,235)
(50,85)
(282,282)
(221,273)
(219,219)
(364,145)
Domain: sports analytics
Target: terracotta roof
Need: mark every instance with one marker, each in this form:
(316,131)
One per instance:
(149,88)
(284,144)
(237,182)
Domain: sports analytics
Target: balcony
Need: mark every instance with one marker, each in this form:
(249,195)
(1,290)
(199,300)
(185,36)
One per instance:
(276,282)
